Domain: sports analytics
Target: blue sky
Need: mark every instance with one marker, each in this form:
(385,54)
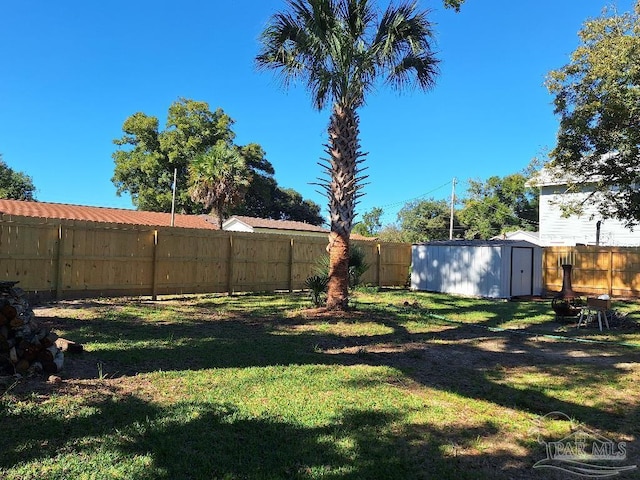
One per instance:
(72,71)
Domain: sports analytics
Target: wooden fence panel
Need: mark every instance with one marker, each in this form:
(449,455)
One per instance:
(66,259)
(191,261)
(105,260)
(372,258)
(28,253)
(596,270)
(306,251)
(261,262)
(395,264)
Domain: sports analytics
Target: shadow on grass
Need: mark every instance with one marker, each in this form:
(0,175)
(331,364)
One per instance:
(467,360)
(454,358)
(206,441)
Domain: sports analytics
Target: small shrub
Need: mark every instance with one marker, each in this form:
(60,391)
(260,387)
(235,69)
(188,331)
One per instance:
(357,265)
(317,285)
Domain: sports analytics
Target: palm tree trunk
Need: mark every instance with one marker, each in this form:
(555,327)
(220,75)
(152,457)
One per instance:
(338,286)
(344,153)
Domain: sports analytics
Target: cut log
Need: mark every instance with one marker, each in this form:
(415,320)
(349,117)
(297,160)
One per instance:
(49,339)
(9,312)
(13,355)
(40,335)
(4,344)
(69,346)
(47,355)
(59,360)
(16,322)
(32,352)
(22,366)
(55,365)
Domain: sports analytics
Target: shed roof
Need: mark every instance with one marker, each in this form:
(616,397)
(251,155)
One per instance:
(479,243)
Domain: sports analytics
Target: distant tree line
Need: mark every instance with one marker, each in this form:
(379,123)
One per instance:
(488,208)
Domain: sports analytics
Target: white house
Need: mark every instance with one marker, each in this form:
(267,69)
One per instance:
(588,228)
(239,223)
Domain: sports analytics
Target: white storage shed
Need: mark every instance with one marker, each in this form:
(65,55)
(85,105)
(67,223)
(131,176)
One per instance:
(479,268)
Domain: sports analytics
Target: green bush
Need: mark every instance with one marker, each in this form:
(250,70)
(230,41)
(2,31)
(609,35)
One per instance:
(357,265)
(317,283)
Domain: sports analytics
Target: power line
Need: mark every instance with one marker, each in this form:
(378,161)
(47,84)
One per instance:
(402,202)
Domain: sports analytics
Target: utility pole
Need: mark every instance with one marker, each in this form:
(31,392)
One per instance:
(453,201)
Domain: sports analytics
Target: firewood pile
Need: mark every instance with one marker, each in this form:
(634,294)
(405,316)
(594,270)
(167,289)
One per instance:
(26,346)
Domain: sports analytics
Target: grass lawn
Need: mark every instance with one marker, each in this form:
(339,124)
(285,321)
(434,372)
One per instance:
(405,386)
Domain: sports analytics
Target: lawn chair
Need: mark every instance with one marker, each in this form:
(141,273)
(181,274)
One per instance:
(595,307)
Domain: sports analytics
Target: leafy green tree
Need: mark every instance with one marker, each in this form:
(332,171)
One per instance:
(391,233)
(370,224)
(218,179)
(499,205)
(341,49)
(455,4)
(15,185)
(291,206)
(266,199)
(597,97)
(145,163)
(426,220)
(147,156)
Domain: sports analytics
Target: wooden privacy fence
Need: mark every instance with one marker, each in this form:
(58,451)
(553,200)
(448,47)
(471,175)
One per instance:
(596,270)
(70,259)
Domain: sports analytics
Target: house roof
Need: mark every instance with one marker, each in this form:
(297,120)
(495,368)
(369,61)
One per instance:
(533,237)
(65,211)
(289,225)
(277,224)
(103,214)
(550,175)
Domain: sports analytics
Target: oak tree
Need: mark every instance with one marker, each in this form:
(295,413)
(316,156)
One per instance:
(597,97)
(15,185)
(147,156)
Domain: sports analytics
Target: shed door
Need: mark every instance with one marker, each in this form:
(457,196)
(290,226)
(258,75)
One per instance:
(521,271)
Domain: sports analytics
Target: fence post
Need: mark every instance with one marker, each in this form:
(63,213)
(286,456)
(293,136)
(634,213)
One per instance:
(379,265)
(610,276)
(230,267)
(154,267)
(291,245)
(59,263)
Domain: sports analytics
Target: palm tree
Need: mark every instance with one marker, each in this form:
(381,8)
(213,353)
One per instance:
(341,49)
(218,179)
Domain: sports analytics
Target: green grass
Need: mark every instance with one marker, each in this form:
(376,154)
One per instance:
(407,385)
